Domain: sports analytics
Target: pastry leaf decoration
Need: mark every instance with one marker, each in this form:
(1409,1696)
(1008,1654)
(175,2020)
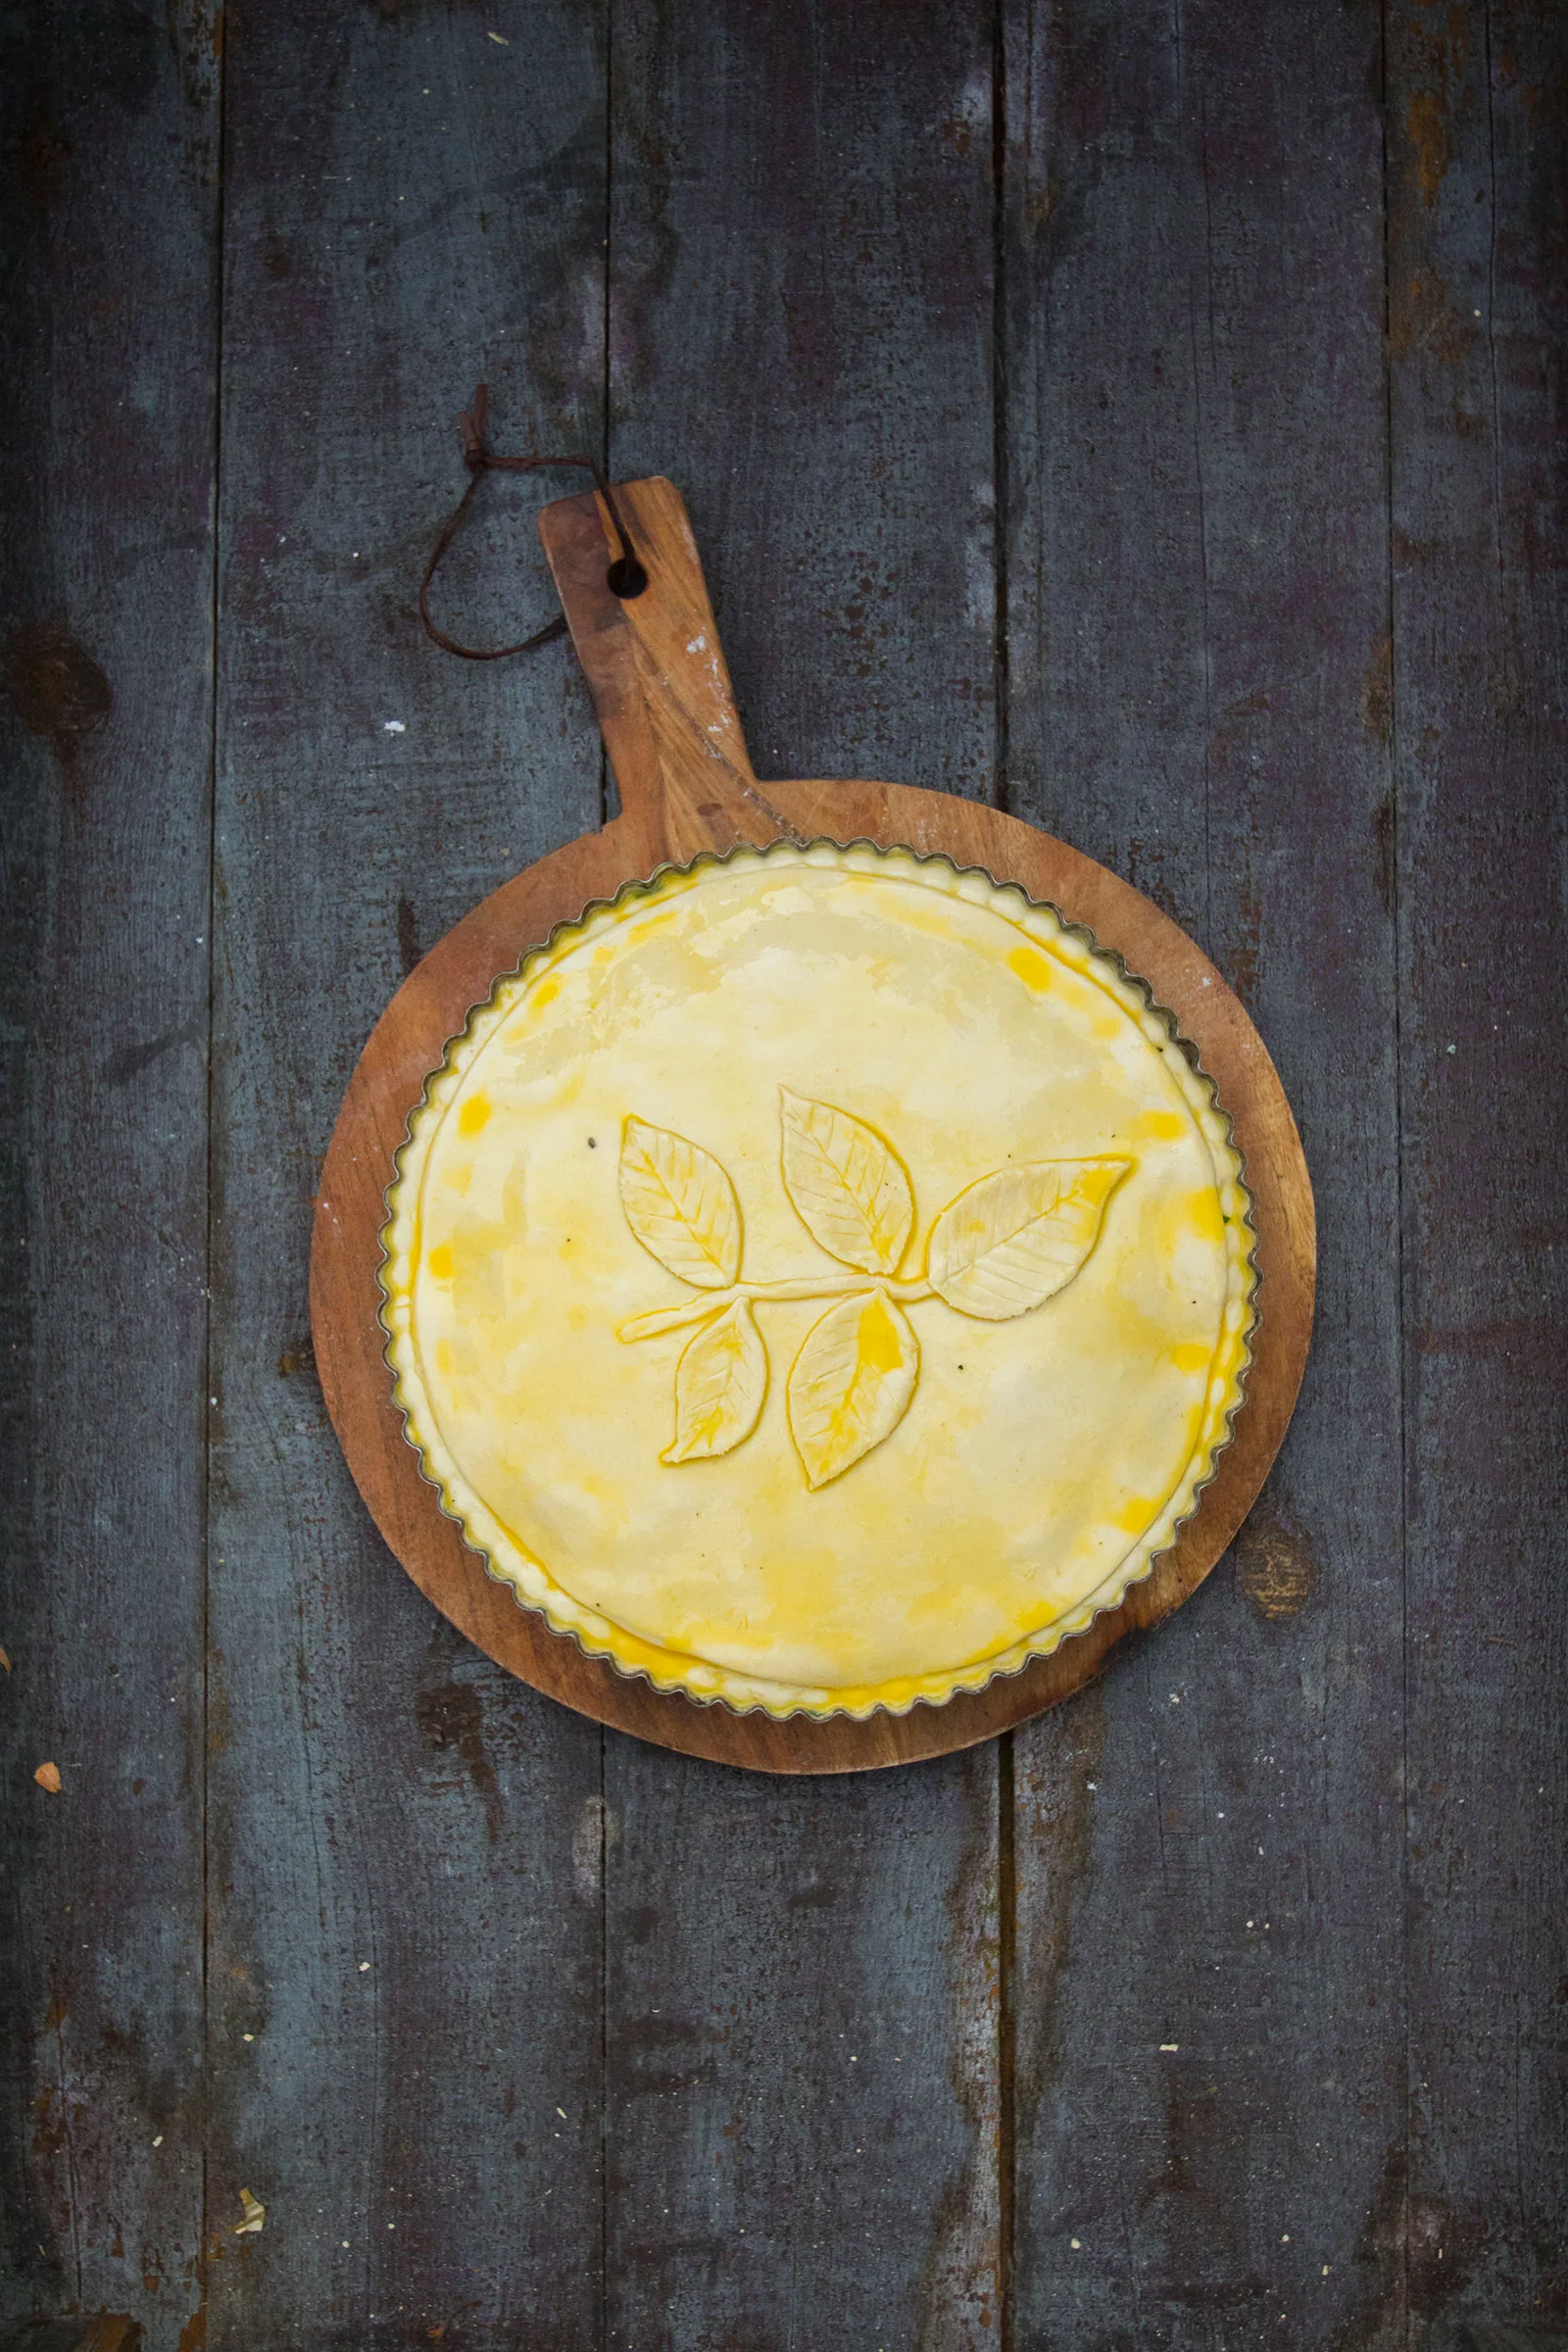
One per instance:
(1004,1246)
(851,1383)
(1010,1242)
(720,1384)
(681,1204)
(848,1185)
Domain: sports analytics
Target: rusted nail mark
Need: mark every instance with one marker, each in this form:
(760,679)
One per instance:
(56,687)
(1428,125)
(1274,1568)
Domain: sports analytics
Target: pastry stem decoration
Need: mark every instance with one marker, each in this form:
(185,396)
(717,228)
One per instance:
(804,1286)
(1005,1245)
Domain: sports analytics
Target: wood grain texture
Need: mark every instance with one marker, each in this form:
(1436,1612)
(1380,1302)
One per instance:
(1186,427)
(1207,1994)
(431,1007)
(405,1958)
(686,784)
(106,568)
(1476,321)
(103,2331)
(802,210)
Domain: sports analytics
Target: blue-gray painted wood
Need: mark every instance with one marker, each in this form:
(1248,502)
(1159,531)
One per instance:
(1208,1995)
(405,1912)
(1477,319)
(105,622)
(802,2029)
(844,2061)
(800,247)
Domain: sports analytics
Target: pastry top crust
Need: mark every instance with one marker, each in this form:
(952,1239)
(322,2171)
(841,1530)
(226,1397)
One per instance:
(819,1280)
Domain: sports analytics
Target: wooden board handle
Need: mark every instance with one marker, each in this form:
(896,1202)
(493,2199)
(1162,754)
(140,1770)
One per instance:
(658,677)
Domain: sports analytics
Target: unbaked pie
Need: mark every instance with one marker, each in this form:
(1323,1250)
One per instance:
(819,1280)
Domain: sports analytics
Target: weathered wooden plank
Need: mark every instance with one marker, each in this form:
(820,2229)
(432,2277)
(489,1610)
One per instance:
(1206,1992)
(1196,477)
(1477,324)
(802,2097)
(107,561)
(405,1961)
(799,336)
(800,2056)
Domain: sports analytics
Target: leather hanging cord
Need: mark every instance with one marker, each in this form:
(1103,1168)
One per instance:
(625,576)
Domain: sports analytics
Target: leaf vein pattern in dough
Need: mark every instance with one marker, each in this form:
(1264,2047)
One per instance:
(720,1384)
(851,1383)
(1004,1246)
(681,1204)
(1012,1241)
(848,1185)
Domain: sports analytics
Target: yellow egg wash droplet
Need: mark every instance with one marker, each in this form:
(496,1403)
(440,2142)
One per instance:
(1032,968)
(879,1340)
(891,1328)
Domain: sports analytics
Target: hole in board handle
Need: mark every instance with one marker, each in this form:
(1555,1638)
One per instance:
(625,578)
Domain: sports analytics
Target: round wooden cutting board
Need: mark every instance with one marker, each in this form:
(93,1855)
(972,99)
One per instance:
(665,705)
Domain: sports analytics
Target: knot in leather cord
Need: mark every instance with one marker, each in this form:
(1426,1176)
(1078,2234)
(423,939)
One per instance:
(624,576)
